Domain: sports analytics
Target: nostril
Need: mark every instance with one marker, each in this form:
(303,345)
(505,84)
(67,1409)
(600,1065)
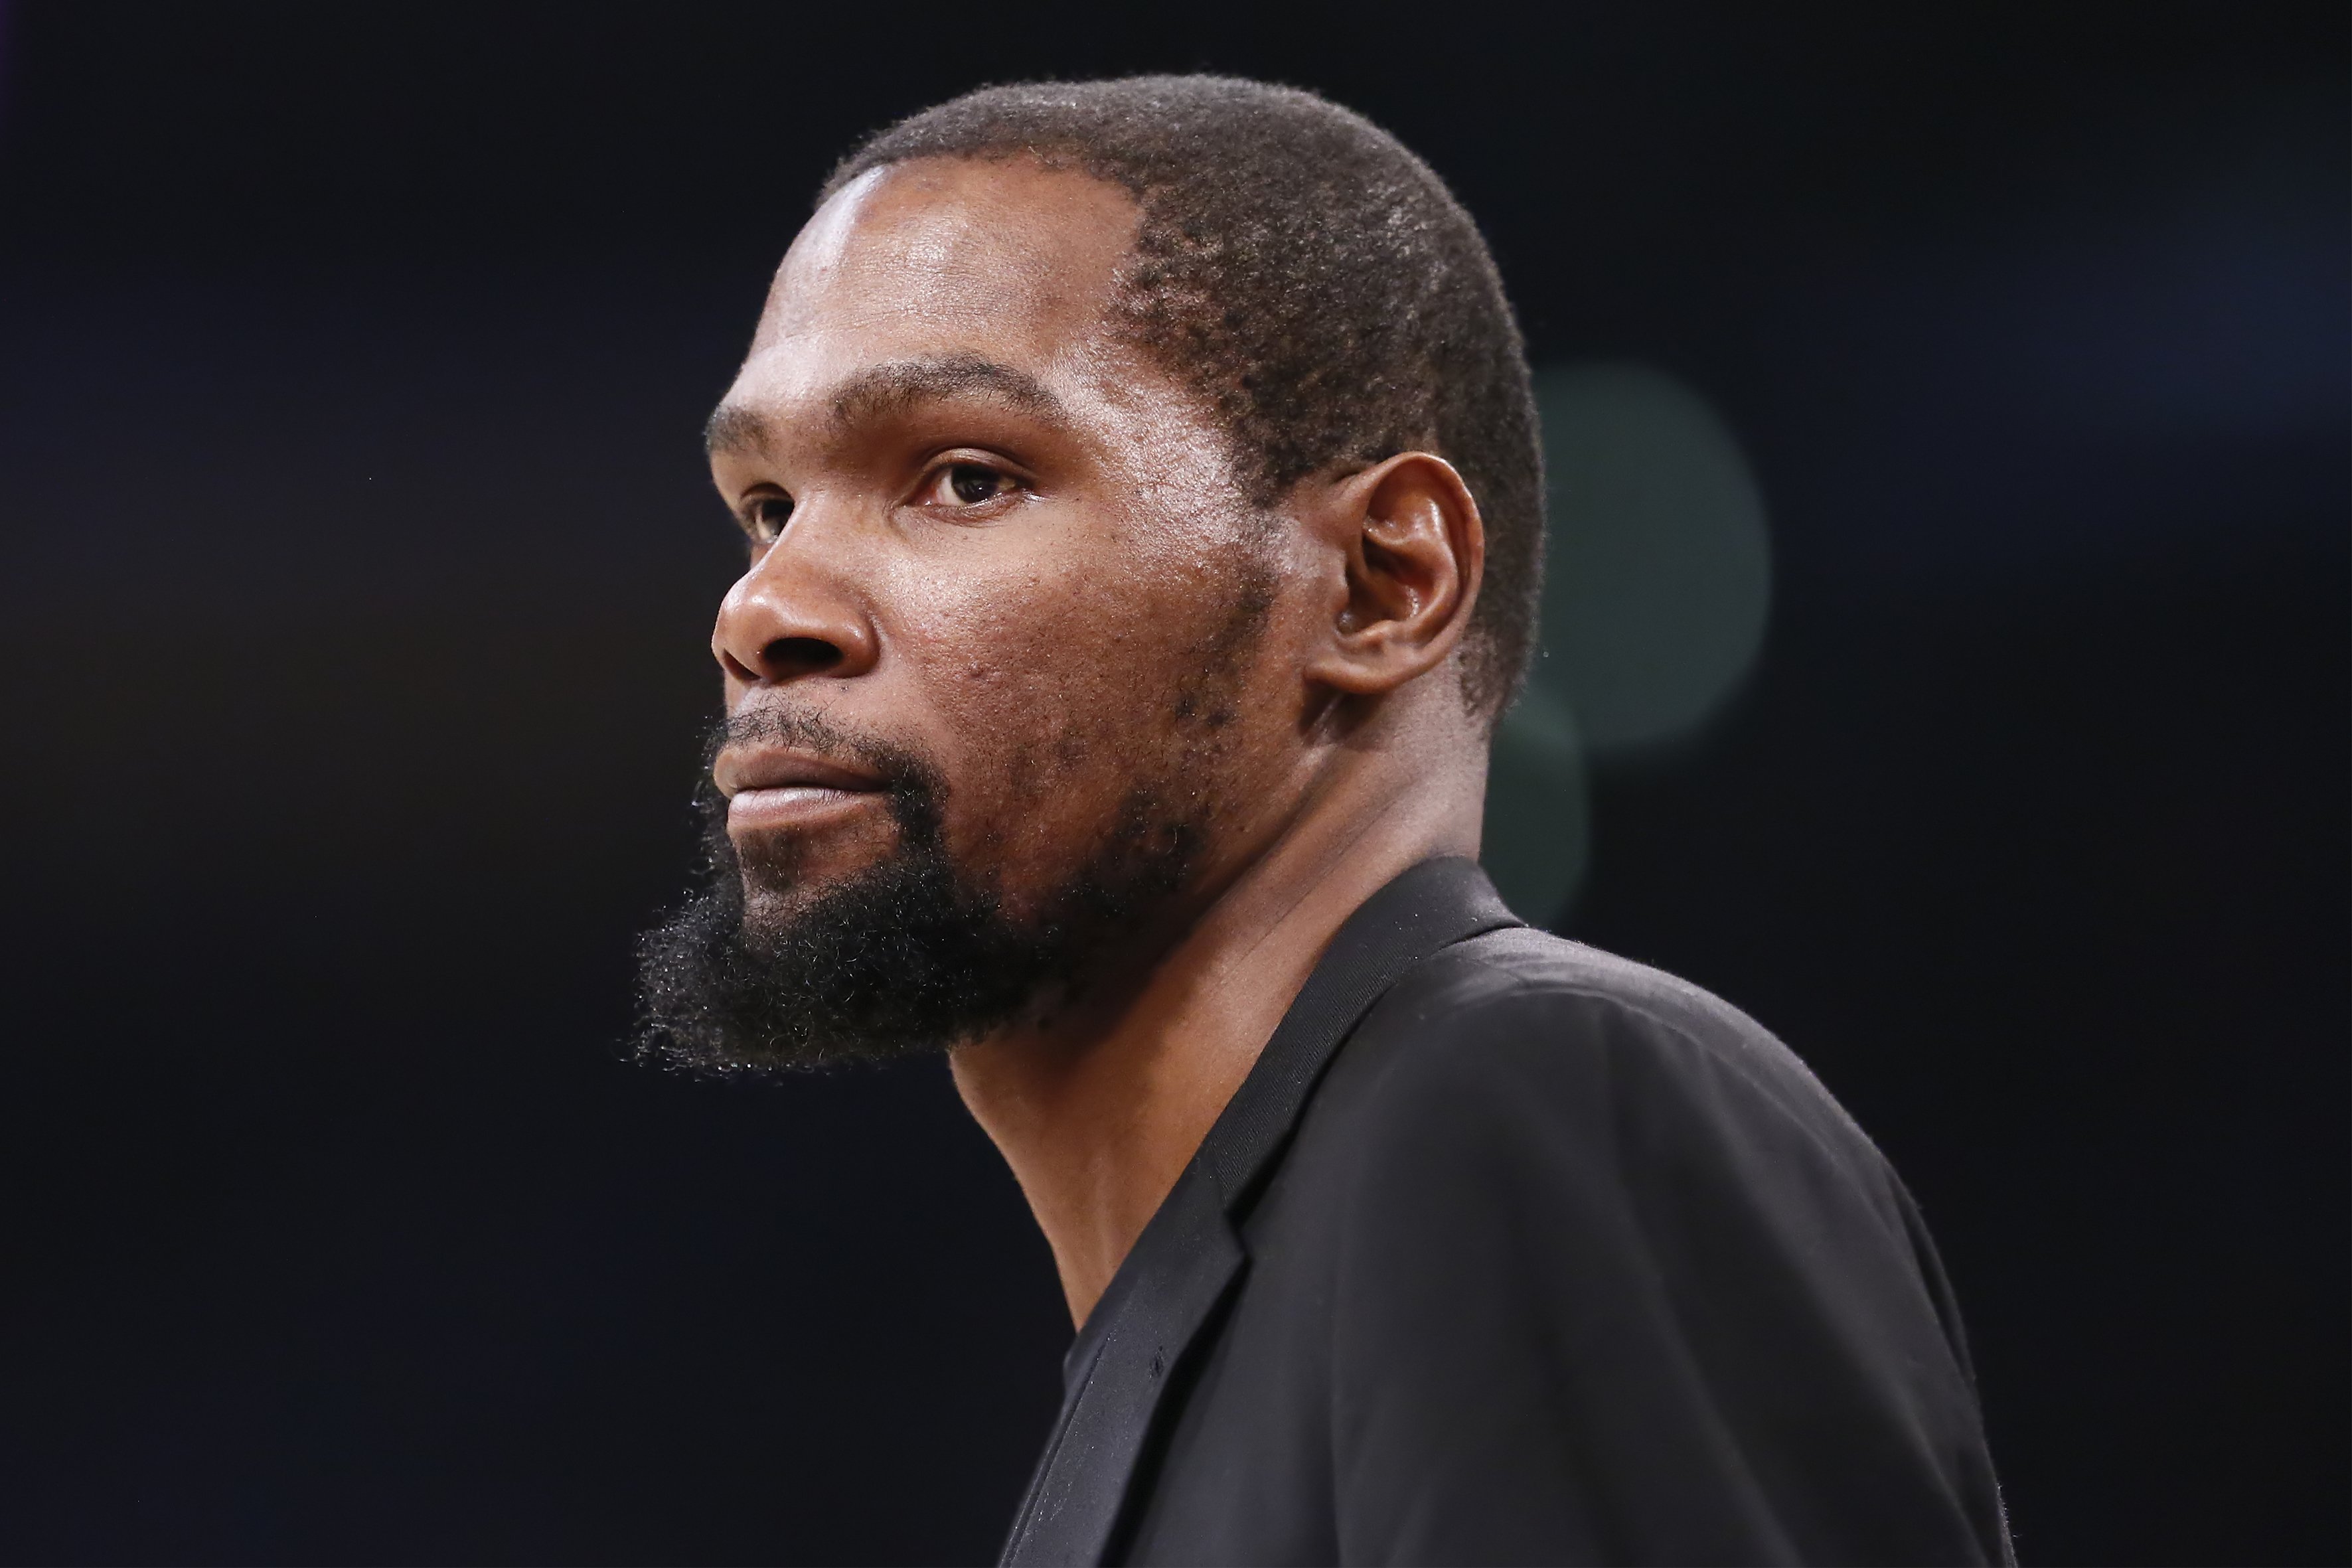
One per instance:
(788,656)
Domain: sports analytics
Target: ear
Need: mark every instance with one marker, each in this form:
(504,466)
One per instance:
(1408,552)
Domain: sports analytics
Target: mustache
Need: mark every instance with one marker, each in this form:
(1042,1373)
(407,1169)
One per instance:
(914,789)
(904,770)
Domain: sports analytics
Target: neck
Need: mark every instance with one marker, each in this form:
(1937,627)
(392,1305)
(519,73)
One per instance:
(1098,1115)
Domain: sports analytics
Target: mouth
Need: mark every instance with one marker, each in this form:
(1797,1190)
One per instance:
(772,788)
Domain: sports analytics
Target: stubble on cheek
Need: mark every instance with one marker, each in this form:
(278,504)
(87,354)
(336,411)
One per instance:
(1102,736)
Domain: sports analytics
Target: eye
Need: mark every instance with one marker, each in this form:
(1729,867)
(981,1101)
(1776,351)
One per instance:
(970,484)
(765,517)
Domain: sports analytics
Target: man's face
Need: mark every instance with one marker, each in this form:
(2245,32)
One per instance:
(1007,665)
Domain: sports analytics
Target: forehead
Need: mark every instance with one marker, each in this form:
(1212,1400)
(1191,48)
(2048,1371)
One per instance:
(939,258)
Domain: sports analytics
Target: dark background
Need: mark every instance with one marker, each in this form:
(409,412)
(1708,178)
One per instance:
(356,562)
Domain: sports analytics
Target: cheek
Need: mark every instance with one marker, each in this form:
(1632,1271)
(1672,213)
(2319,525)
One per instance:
(1030,677)
(1058,693)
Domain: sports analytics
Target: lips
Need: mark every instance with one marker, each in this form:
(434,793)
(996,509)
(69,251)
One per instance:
(775,787)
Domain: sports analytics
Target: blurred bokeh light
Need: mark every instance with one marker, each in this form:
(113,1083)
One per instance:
(1657,586)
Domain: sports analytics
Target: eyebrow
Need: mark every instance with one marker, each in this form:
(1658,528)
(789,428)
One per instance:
(883,390)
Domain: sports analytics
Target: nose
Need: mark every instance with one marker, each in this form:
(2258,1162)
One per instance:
(790,617)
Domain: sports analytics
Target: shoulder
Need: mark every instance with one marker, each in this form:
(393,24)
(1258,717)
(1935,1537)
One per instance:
(1489,1010)
(1519,1044)
(1601,1272)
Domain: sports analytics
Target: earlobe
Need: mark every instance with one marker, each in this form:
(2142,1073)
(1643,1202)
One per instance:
(1411,549)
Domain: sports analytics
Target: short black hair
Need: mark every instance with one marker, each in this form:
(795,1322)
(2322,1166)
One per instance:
(1313,279)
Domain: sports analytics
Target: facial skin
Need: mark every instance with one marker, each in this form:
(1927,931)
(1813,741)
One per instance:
(1006,546)
(993,544)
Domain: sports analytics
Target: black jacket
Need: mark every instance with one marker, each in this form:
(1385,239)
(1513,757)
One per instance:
(1510,1251)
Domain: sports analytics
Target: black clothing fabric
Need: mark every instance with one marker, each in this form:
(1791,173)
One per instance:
(1511,1251)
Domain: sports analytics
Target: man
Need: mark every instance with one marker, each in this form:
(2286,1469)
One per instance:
(1143,501)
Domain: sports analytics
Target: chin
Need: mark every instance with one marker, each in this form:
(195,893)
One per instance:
(782,871)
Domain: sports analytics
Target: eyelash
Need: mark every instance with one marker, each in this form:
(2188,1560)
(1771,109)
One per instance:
(949,471)
(756,522)
(764,529)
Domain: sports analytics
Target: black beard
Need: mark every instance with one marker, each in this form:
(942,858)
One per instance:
(908,956)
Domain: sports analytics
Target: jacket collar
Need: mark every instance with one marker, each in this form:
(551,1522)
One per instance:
(1190,1255)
